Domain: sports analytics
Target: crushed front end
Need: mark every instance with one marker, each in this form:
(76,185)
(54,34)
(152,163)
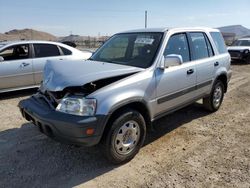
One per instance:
(41,110)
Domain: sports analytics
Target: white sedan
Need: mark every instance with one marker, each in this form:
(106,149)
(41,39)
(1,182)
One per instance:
(22,62)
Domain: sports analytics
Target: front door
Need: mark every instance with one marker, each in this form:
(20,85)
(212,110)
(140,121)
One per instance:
(16,69)
(176,85)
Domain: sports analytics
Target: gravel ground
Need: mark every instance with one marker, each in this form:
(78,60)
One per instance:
(189,148)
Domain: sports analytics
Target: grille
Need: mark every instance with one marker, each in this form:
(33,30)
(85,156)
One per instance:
(48,99)
(235,54)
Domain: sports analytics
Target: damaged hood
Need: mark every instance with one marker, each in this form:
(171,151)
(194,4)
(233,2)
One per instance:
(58,75)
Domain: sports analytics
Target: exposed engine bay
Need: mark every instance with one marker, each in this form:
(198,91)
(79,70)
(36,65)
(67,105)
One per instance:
(54,97)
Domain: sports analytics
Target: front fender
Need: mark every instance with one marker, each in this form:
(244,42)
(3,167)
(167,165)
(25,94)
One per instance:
(110,103)
(136,88)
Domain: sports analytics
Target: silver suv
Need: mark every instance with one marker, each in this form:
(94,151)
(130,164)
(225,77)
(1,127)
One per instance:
(135,78)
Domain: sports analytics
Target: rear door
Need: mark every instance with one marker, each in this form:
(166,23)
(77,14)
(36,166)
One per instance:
(202,55)
(176,85)
(16,69)
(42,53)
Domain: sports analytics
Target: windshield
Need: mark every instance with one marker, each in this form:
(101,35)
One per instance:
(132,49)
(241,43)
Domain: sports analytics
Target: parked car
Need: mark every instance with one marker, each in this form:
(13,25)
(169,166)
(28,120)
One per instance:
(135,78)
(22,62)
(240,50)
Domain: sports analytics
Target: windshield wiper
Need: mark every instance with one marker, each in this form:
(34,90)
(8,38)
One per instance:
(107,61)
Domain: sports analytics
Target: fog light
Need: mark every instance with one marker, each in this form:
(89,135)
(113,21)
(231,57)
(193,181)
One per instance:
(90,131)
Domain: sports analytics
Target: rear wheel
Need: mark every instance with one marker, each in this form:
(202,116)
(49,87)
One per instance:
(214,100)
(125,137)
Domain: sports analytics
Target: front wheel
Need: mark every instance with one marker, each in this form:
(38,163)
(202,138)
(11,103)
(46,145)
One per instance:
(214,100)
(125,137)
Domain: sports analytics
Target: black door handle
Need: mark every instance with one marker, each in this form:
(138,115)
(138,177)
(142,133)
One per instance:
(24,64)
(216,64)
(190,71)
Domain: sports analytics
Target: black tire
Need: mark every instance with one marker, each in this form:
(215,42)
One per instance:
(110,142)
(209,102)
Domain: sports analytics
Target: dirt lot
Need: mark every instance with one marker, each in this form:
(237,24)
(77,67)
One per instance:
(189,148)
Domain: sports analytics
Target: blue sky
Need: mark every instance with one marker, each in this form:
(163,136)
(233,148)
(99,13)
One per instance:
(93,17)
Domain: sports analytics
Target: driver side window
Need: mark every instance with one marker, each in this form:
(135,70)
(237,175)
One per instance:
(15,52)
(178,44)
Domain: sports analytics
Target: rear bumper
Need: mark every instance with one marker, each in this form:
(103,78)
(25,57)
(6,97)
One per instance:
(61,126)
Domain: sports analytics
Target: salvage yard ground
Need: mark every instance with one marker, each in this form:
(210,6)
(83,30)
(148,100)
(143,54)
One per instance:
(189,148)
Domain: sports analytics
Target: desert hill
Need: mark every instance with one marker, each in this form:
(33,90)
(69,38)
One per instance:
(238,30)
(26,34)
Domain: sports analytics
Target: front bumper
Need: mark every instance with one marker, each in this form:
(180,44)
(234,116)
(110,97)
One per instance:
(60,126)
(238,55)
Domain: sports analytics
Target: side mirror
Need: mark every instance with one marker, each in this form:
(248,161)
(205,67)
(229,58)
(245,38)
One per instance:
(1,59)
(172,60)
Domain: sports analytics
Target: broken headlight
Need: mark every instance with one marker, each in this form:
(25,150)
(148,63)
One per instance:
(77,105)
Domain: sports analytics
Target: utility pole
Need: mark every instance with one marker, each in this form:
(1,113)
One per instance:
(146,18)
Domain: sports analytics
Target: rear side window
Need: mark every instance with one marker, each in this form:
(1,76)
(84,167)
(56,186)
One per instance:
(201,46)
(65,51)
(46,50)
(178,44)
(219,42)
